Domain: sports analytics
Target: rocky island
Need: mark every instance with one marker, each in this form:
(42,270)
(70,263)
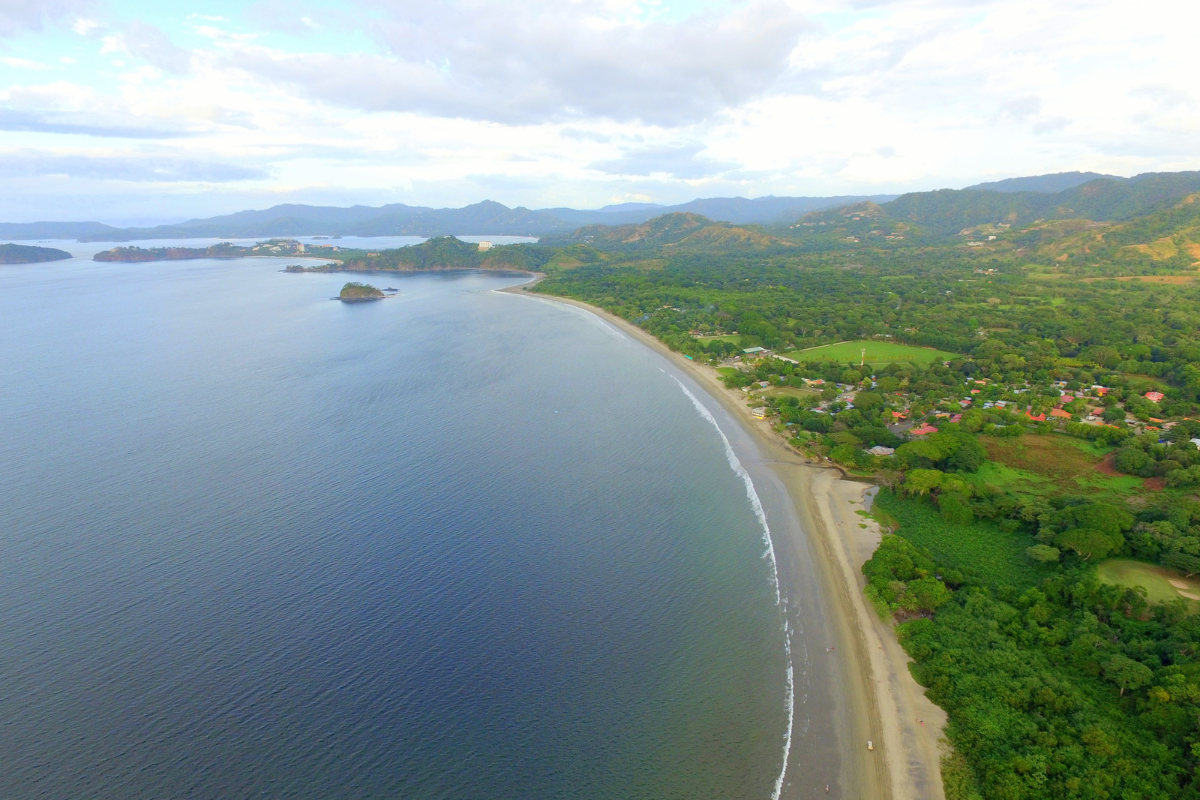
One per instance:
(359,293)
(29,254)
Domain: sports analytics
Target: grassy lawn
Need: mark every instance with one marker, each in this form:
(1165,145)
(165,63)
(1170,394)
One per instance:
(780,391)
(1010,479)
(704,340)
(877,353)
(981,550)
(1155,579)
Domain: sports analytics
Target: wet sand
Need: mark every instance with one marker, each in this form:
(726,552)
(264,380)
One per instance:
(881,702)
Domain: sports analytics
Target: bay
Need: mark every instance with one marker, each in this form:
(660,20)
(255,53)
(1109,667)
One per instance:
(452,544)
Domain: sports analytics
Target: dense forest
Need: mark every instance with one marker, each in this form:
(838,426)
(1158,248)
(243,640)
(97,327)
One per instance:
(1022,378)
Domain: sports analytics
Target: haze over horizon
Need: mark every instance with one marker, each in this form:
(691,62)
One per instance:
(137,113)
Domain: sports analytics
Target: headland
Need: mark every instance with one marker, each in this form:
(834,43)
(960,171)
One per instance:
(30,254)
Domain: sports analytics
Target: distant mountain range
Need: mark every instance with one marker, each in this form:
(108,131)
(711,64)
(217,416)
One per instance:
(679,230)
(1015,201)
(1049,184)
(947,212)
(486,218)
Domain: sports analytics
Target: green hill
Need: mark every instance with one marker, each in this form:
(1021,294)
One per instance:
(679,230)
(948,212)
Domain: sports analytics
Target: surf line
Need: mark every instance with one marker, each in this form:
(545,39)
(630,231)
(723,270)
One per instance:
(759,512)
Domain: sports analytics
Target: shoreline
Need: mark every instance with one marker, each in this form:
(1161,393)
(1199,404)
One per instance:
(881,701)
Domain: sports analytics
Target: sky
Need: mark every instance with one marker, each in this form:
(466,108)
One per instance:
(136,112)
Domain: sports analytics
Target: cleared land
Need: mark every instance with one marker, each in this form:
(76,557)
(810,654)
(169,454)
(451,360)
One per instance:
(1051,464)
(877,353)
(1161,584)
(705,340)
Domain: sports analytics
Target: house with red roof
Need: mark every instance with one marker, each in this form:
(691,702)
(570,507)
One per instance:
(1036,417)
(924,429)
(1154,397)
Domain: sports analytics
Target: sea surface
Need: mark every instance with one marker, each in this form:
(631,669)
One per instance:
(457,544)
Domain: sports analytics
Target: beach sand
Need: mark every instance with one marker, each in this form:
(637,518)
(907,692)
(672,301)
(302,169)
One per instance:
(884,704)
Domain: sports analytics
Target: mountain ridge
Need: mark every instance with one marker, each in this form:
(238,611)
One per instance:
(398,219)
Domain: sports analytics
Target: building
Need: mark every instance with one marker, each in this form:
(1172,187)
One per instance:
(750,351)
(880,450)
(924,429)
(1154,397)
(759,413)
(485,245)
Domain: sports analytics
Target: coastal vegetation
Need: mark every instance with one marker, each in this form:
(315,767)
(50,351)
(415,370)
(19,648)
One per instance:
(1028,404)
(30,254)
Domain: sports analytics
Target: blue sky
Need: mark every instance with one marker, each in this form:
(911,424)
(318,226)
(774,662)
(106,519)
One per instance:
(144,112)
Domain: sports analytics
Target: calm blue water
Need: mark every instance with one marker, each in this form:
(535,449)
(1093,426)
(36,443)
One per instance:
(454,544)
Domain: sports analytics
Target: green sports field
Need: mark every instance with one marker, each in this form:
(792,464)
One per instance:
(1155,579)
(877,353)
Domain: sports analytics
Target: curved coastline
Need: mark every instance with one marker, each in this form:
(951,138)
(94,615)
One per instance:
(820,545)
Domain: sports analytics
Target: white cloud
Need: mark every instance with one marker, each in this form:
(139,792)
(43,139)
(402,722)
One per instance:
(577,102)
(546,60)
(22,15)
(22,63)
(678,161)
(137,167)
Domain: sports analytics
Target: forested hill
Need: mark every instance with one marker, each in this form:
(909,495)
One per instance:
(947,212)
(28,254)
(439,253)
(678,232)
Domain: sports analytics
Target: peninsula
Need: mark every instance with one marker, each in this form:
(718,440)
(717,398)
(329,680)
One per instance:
(29,254)
(440,253)
(271,247)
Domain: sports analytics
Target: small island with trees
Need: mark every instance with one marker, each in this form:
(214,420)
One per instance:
(359,293)
(29,254)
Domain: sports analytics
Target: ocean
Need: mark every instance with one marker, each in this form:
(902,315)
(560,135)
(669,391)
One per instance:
(456,543)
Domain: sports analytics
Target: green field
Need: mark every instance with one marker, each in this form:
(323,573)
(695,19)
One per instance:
(1155,579)
(877,353)
(1052,464)
(783,391)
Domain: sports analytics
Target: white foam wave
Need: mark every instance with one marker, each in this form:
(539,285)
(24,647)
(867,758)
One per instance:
(769,554)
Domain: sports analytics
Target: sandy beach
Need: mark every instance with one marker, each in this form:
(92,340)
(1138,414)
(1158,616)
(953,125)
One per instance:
(883,704)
